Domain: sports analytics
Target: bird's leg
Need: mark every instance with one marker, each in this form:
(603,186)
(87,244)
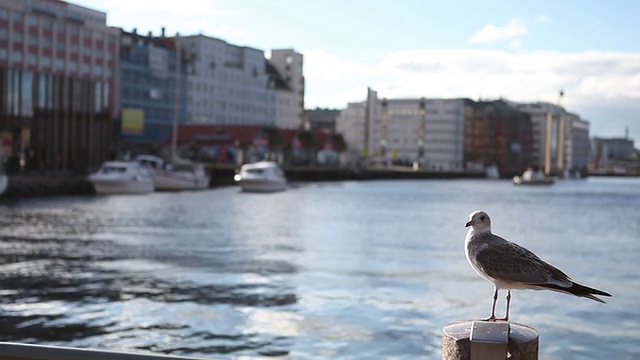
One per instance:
(493,306)
(506,316)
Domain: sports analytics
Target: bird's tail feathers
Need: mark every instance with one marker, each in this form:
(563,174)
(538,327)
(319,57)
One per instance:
(579,290)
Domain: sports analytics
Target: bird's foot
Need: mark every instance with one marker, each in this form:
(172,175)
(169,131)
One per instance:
(494,319)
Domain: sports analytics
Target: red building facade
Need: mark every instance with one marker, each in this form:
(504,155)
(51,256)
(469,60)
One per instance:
(497,134)
(58,101)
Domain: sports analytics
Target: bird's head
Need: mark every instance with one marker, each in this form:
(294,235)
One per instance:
(479,221)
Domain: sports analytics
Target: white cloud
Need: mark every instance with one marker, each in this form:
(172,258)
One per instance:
(492,33)
(593,81)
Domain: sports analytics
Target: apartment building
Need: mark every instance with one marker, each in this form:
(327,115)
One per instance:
(289,98)
(404,131)
(614,156)
(227,84)
(322,119)
(554,132)
(58,85)
(581,145)
(152,89)
(578,145)
(496,134)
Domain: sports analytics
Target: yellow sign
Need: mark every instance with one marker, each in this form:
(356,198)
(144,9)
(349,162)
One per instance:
(132,121)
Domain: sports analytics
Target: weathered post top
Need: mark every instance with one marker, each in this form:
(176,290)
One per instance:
(489,340)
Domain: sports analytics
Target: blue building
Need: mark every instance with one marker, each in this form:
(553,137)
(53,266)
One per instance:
(150,98)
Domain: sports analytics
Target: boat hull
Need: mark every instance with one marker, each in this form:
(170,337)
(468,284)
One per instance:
(122,177)
(4,182)
(517,180)
(180,182)
(262,176)
(260,185)
(122,187)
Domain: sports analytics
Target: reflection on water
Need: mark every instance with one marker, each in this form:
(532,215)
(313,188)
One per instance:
(343,270)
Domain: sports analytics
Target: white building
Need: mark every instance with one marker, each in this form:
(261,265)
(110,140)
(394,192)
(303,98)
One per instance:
(560,138)
(429,131)
(580,145)
(227,84)
(290,98)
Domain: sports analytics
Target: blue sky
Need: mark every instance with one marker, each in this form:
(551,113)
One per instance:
(519,50)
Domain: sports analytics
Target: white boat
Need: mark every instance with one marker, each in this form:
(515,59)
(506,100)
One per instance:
(4,182)
(176,176)
(533,177)
(262,176)
(4,179)
(492,172)
(122,177)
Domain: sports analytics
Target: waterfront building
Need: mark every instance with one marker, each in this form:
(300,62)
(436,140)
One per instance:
(428,132)
(553,137)
(615,156)
(352,123)
(58,85)
(496,134)
(238,144)
(324,119)
(289,98)
(150,97)
(227,84)
(579,146)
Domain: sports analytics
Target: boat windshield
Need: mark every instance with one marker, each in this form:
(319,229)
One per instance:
(113,169)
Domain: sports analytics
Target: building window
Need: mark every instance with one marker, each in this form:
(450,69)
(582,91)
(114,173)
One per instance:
(32,20)
(47,23)
(46,61)
(16,56)
(4,14)
(31,59)
(17,17)
(3,34)
(3,54)
(26,105)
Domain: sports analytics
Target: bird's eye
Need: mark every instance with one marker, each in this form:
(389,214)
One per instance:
(483,218)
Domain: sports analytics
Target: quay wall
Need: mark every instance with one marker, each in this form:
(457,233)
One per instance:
(28,186)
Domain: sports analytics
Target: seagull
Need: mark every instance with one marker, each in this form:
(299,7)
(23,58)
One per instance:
(510,266)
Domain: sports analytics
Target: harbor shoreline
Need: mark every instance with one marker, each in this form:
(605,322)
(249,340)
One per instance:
(39,185)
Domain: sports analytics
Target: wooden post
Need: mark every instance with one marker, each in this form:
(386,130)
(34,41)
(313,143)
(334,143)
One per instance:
(484,340)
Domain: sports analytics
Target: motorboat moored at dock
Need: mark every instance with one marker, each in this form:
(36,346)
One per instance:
(262,176)
(533,177)
(122,177)
(177,175)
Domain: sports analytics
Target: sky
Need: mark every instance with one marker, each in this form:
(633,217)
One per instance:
(525,51)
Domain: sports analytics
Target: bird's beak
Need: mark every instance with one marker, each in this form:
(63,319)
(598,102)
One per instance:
(467,224)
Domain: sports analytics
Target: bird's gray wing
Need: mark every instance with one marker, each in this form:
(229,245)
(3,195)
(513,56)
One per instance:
(505,260)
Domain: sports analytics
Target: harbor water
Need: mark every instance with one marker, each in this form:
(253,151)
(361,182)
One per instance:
(337,270)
